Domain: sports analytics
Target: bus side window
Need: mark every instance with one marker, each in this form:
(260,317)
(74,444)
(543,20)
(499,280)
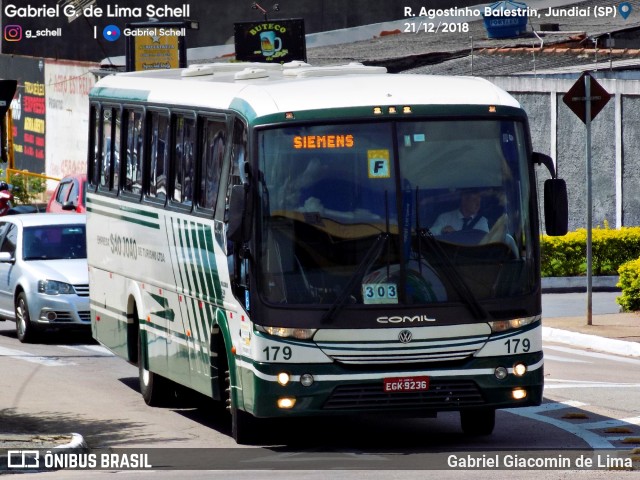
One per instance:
(159,156)
(133,151)
(213,145)
(238,268)
(93,173)
(184,161)
(238,157)
(107,148)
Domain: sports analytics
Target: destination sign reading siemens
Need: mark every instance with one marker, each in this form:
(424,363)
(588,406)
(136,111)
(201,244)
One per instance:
(273,41)
(322,141)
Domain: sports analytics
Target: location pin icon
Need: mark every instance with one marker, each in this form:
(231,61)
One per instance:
(624,9)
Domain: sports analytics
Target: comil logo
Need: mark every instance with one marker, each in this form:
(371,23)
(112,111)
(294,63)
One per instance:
(13,33)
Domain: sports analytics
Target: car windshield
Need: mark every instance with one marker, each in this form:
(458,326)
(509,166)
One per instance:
(413,212)
(54,242)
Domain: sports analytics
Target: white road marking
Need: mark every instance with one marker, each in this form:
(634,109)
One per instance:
(612,423)
(29,357)
(568,384)
(535,413)
(580,430)
(557,358)
(587,353)
(88,349)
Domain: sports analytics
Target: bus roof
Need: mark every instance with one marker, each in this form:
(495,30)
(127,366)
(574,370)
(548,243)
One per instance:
(265,89)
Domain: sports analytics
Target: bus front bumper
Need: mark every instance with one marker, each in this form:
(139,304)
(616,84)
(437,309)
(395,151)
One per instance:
(336,389)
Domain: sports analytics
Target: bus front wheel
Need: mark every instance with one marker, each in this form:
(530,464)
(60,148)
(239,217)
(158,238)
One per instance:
(479,421)
(244,428)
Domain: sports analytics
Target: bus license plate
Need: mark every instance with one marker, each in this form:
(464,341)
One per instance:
(406,384)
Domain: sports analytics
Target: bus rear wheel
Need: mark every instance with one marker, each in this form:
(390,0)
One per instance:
(155,390)
(479,421)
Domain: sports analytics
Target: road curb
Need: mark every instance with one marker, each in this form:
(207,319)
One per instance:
(77,443)
(605,283)
(34,443)
(594,342)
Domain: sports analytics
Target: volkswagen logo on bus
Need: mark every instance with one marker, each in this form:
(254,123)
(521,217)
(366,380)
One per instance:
(405,336)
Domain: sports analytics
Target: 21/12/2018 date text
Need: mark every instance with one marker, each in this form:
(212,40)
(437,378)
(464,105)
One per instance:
(435,27)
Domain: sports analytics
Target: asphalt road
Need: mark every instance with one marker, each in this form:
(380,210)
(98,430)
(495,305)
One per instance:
(77,386)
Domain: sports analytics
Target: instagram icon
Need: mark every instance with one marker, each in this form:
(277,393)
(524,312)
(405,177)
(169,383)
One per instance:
(13,33)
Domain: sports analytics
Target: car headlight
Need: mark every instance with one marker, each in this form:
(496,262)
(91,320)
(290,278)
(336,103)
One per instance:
(53,287)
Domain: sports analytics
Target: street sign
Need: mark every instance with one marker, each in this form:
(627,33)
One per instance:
(586,98)
(576,97)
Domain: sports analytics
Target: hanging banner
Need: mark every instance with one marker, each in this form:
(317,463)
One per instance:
(28,111)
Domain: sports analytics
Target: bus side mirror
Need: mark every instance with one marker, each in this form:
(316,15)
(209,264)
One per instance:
(239,226)
(556,207)
(546,160)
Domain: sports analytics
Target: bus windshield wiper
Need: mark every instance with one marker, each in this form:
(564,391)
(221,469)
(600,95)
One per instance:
(365,264)
(451,273)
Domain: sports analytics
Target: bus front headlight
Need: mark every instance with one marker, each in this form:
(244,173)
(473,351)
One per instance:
(284,332)
(504,325)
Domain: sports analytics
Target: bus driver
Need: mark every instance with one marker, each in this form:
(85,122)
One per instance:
(463,218)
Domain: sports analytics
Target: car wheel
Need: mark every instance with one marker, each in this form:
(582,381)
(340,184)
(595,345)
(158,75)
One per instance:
(24,329)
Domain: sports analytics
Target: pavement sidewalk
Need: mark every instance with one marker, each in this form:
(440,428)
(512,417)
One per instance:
(614,333)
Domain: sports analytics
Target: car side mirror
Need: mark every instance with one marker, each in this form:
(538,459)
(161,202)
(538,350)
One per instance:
(6,257)
(68,205)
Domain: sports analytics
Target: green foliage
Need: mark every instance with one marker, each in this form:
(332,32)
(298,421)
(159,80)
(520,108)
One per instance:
(566,256)
(26,189)
(630,284)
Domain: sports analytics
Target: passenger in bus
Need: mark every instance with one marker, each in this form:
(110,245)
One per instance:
(466,217)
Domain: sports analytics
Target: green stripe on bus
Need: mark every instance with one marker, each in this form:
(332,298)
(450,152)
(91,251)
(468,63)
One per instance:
(163,329)
(119,93)
(109,308)
(213,277)
(175,250)
(124,208)
(125,218)
(202,332)
(198,263)
(168,229)
(244,108)
(185,248)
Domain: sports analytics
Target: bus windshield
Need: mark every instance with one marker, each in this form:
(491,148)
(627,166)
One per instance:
(410,212)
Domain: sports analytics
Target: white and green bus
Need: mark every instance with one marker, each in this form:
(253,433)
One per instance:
(265,235)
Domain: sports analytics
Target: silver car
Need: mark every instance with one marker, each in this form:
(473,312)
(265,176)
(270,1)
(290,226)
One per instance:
(44,277)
